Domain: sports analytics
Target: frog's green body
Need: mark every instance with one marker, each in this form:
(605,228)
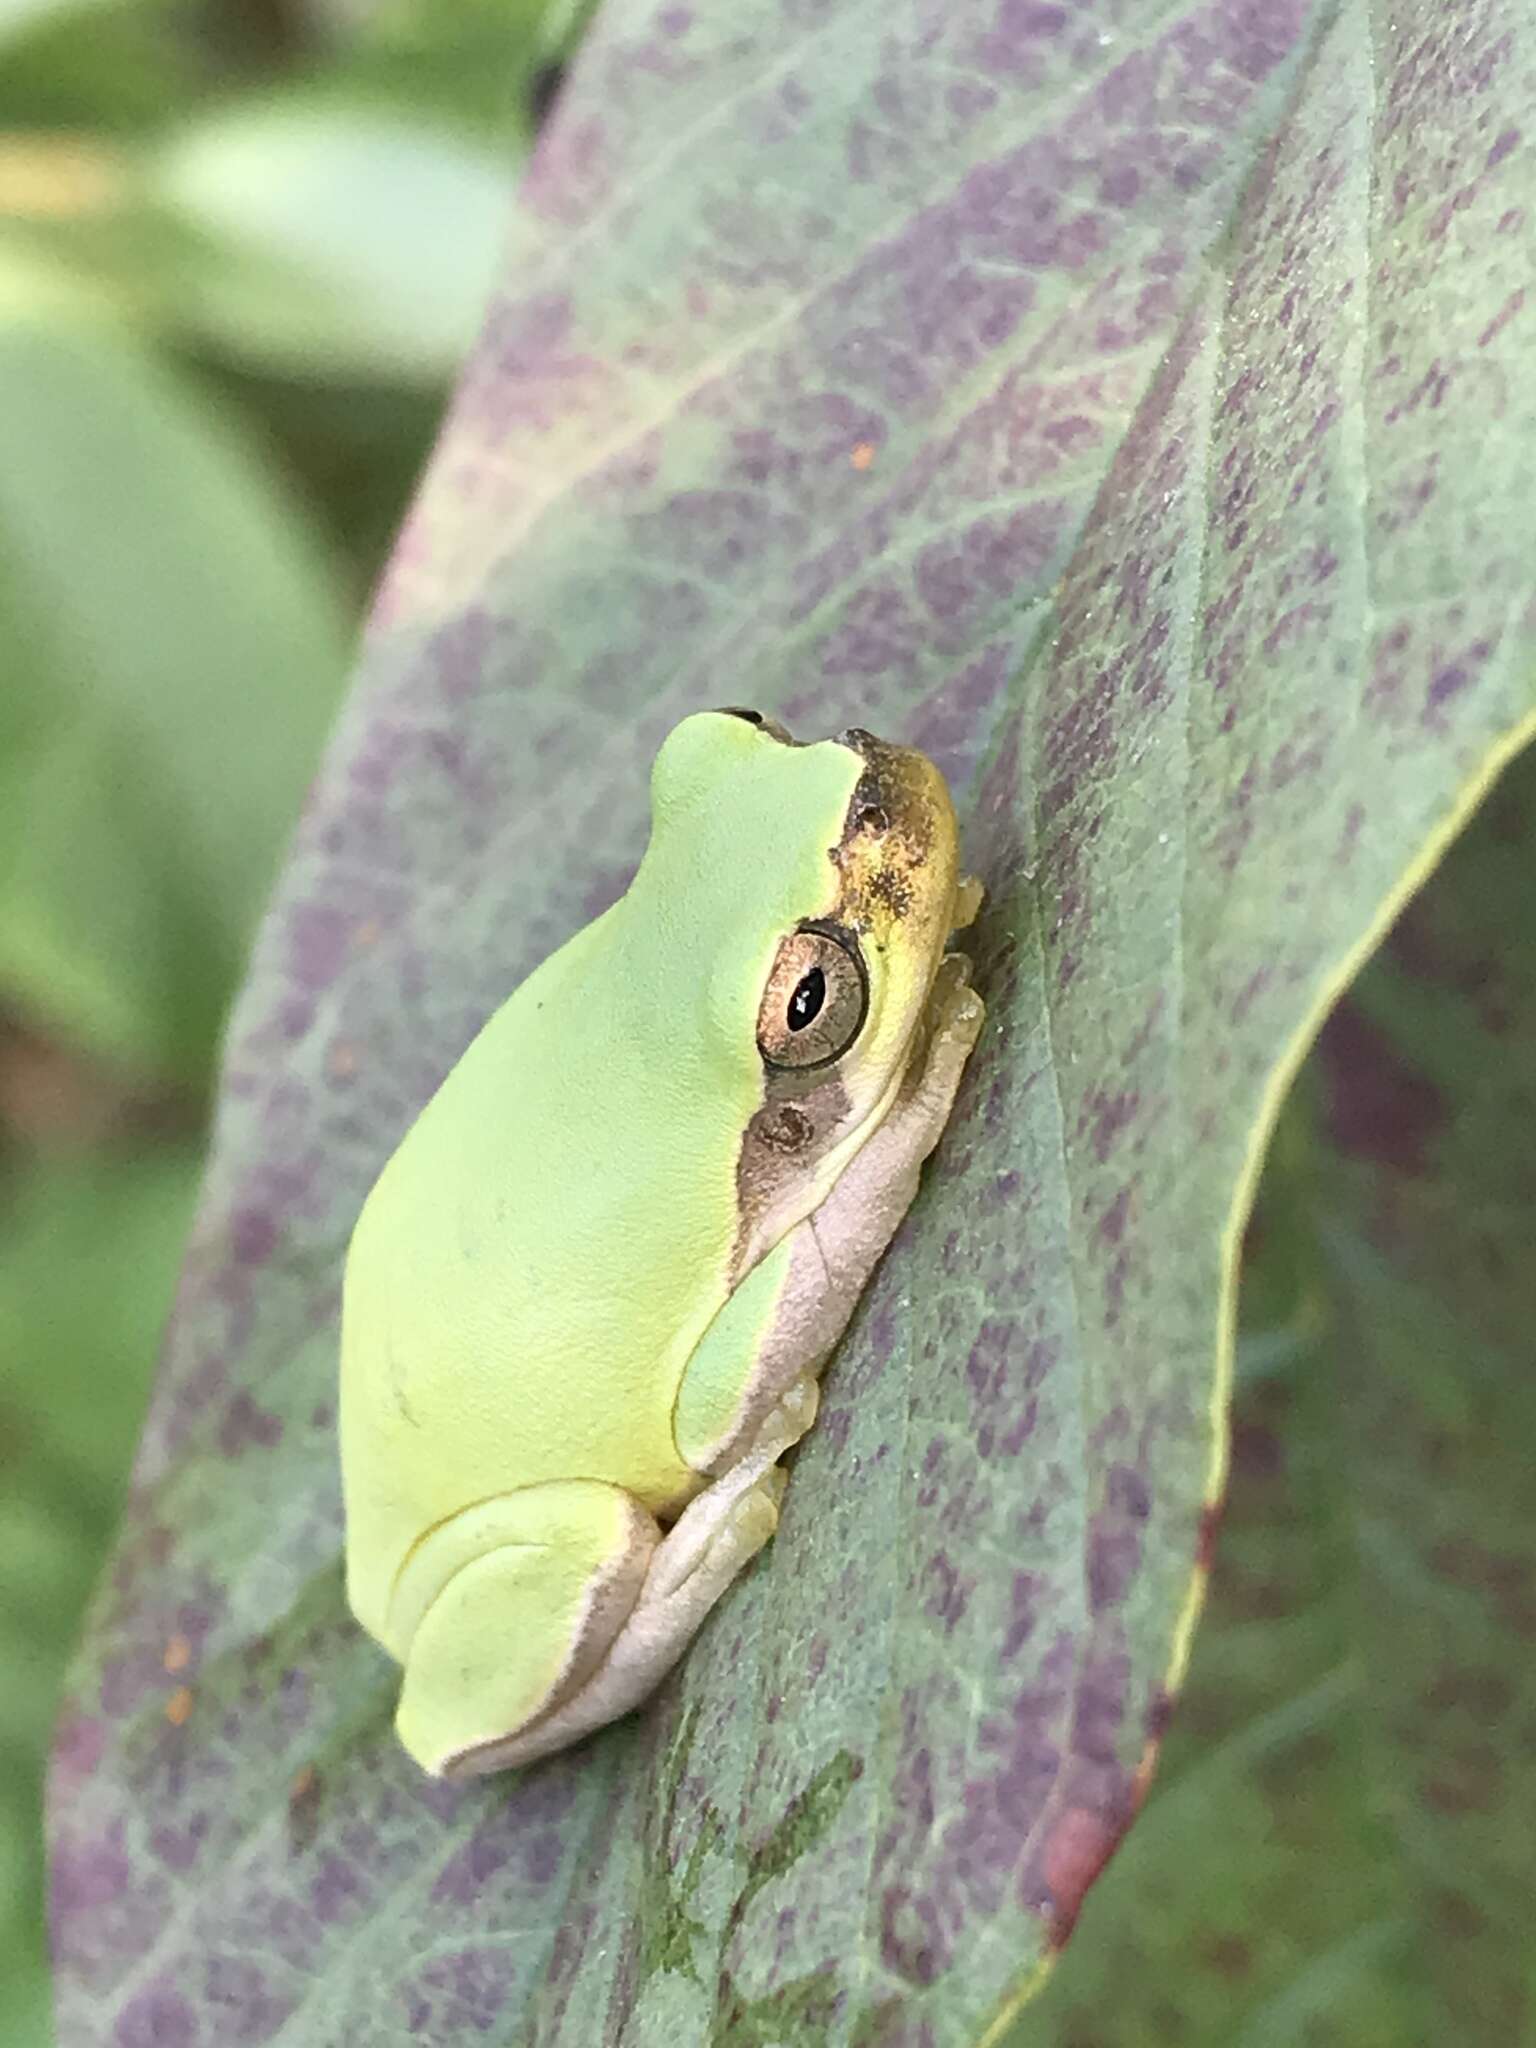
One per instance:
(603,1265)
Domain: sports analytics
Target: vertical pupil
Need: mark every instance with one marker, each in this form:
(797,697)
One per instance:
(805,1004)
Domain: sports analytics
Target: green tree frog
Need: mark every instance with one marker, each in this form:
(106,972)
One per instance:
(588,1297)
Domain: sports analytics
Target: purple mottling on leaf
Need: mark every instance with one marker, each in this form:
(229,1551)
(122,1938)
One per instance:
(319,941)
(336,1892)
(78,1745)
(253,1236)
(1112,1221)
(1002,376)
(247,1427)
(89,1874)
(246,2009)
(1127,1493)
(177,1847)
(1113,1555)
(158,2017)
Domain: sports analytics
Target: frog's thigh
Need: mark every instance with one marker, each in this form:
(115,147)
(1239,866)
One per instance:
(508,1608)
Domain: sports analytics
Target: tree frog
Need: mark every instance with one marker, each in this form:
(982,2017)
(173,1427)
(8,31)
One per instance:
(587,1299)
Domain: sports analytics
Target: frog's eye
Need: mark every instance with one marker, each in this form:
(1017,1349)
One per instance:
(816,999)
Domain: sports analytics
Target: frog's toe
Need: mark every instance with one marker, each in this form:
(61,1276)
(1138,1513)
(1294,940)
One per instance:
(969,893)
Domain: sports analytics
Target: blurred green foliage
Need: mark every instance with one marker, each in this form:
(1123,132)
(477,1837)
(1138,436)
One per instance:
(241,249)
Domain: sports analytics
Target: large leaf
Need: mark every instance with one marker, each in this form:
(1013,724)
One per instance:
(1341,1847)
(1122,402)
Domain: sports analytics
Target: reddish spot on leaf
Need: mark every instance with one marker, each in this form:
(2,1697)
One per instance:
(1160,1714)
(1210,1529)
(1079,1846)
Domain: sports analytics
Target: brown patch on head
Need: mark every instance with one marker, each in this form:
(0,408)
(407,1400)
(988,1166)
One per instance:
(783,1127)
(892,890)
(802,1115)
(1230,1957)
(895,864)
(898,817)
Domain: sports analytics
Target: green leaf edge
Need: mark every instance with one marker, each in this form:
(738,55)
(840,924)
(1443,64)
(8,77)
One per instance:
(1282,1076)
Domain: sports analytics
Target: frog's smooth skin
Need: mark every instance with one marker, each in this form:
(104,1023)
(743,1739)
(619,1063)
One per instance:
(588,1297)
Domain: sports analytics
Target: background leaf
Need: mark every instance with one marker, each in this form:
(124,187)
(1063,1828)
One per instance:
(163,608)
(344,239)
(1122,403)
(1342,1834)
(73,1382)
(81,64)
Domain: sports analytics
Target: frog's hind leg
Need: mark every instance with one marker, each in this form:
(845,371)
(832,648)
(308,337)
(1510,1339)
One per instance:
(715,1537)
(506,1609)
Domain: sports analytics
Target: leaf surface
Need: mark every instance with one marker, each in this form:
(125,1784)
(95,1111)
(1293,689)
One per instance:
(1103,398)
(1340,1842)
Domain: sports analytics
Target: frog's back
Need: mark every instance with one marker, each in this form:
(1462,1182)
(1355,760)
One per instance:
(530,1273)
(539,1259)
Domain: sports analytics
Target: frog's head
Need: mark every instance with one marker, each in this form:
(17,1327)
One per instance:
(823,880)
